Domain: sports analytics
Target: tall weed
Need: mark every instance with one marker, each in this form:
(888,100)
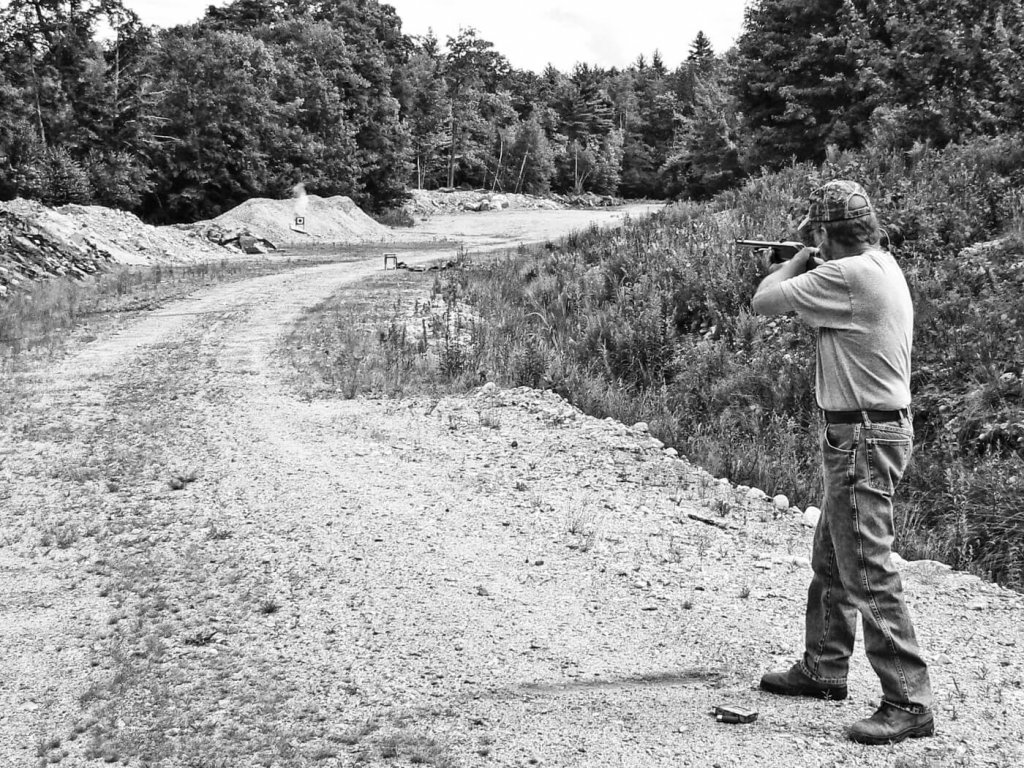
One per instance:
(41,314)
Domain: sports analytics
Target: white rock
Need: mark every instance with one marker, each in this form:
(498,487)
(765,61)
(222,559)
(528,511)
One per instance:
(932,565)
(781,501)
(723,481)
(811,517)
(671,452)
(756,494)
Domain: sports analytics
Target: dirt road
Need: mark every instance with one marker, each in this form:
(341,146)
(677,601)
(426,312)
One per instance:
(202,569)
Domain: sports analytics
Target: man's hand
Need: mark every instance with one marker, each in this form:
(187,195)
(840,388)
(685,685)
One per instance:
(780,255)
(769,299)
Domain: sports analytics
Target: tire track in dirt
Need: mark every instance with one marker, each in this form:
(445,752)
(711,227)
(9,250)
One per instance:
(66,505)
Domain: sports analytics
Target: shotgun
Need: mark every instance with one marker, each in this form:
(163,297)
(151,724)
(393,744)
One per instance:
(780,251)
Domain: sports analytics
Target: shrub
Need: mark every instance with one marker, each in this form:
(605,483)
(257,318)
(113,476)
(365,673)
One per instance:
(116,179)
(56,178)
(651,323)
(394,217)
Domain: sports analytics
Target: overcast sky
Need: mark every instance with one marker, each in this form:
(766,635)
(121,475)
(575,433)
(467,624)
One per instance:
(532,33)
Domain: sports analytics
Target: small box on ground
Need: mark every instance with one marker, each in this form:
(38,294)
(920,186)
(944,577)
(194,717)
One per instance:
(732,713)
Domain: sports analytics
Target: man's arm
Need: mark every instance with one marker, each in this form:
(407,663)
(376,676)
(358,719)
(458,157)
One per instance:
(769,299)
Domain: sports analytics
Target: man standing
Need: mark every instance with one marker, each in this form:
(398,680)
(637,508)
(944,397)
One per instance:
(857,299)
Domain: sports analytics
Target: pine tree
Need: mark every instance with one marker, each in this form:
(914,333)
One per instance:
(658,64)
(705,157)
(807,78)
(951,64)
(701,55)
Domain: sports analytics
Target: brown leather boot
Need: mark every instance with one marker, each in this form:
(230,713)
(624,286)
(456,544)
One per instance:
(891,724)
(793,682)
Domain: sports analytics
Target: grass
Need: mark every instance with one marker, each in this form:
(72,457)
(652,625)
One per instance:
(652,323)
(169,683)
(41,316)
(396,334)
(268,606)
(395,217)
(584,527)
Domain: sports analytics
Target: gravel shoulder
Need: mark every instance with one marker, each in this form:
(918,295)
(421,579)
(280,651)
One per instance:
(202,568)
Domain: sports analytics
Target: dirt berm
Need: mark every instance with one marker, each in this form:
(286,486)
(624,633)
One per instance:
(80,240)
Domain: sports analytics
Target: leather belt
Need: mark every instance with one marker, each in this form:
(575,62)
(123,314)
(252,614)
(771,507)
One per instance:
(853,417)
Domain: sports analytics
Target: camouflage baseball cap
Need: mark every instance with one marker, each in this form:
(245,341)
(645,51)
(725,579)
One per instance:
(837,200)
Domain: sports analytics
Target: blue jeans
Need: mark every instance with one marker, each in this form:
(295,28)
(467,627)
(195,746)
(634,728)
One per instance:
(852,565)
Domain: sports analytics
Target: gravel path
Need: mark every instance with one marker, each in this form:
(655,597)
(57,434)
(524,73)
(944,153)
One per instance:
(200,568)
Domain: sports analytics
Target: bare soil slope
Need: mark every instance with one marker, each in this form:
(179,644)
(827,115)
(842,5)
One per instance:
(77,240)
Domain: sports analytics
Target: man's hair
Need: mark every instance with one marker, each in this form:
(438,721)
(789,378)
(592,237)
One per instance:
(863,229)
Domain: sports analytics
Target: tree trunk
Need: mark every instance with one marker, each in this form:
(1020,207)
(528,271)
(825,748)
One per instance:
(39,107)
(501,154)
(522,169)
(451,158)
(577,182)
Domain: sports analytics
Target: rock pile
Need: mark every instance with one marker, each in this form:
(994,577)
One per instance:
(424,202)
(76,240)
(29,252)
(589,200)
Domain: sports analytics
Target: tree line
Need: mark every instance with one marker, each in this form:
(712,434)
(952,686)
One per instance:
(182,123)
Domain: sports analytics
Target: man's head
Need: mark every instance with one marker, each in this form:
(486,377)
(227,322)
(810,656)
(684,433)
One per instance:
(841,210)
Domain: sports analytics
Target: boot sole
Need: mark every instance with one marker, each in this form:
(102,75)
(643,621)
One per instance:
(917,732)
(827,694)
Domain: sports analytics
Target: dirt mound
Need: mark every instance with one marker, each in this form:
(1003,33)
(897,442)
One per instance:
(326,220)
(79,240)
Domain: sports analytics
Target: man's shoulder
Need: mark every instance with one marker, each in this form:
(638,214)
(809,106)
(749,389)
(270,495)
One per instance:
(873,257)
(870,264)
